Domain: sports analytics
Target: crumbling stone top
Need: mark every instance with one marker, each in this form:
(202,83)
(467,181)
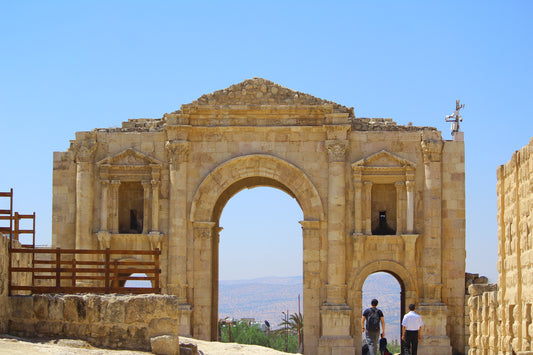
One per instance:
(262,94)
(258,91)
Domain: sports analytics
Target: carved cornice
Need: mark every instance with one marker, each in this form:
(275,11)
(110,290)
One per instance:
(178,151)
(84,149)
(336,150)
(432,150)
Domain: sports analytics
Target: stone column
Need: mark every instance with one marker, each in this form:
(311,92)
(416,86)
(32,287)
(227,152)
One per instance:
(410,217)
(147,189)
(115,187)
(84,148)
(104,205)
(203,280)
(335,313)
(336,288)
(400,207)
(432,241)
(178,153)
(367,207)
(155,206)
(358,207)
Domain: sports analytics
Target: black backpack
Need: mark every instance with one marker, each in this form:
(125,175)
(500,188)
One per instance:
(373,321)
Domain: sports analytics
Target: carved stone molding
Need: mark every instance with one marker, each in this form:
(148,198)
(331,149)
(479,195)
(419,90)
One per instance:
(336,150)
(432,150)
(178,151)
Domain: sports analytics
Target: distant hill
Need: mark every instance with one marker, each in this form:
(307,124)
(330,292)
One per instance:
(265,298)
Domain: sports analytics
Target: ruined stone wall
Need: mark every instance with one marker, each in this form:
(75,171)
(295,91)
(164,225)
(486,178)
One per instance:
(515,249)
(109,321)
(19,278)
(501,321)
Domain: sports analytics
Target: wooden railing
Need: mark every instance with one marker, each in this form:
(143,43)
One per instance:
(93,271)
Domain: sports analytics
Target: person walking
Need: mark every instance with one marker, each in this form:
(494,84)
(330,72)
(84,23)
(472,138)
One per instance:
(411,330)
(373,317)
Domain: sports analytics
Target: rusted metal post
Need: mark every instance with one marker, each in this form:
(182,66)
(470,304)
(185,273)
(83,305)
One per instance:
(73,272)
(157,270)
(106,270)
(58,269)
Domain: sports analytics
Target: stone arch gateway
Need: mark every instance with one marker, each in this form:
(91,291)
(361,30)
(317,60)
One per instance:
(375,195)
(216,189)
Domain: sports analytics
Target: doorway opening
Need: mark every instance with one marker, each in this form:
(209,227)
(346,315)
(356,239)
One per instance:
(260,264)
(389,291)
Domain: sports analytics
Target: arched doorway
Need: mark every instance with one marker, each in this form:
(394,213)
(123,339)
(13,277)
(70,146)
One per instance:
(389,291)
(217,188)
(406,281)
(260,256)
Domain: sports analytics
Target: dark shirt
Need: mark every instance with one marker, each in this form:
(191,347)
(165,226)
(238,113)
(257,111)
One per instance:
(367,312)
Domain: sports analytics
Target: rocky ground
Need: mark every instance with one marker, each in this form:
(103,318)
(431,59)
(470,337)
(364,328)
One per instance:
(14,345)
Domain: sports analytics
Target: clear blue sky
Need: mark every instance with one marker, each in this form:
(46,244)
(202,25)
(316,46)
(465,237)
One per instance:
(68,66)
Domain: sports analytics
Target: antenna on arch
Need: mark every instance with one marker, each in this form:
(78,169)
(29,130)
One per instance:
(455,118)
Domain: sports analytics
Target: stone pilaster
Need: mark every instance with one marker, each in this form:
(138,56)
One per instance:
(203,280)
(432,241)
(178,153)
(311,232)
(147,189)
(367,207)
(84,148)
(410,213)
(336,288)
(155,205)
(400,207)
(115,189)
(104,205)
(358,205)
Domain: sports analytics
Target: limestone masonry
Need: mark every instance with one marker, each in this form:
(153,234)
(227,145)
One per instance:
(375,196)
(501,315)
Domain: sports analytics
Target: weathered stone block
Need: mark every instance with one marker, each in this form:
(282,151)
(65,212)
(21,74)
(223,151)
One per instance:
(165,345)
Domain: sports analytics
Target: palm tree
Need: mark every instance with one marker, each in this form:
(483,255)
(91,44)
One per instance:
(293,323)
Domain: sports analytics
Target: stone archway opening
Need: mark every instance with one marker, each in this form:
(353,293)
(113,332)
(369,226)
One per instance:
(260,243)
(389,290)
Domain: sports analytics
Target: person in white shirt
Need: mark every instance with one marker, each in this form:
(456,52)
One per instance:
(411,330)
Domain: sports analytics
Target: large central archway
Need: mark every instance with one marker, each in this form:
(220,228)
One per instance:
(216,189)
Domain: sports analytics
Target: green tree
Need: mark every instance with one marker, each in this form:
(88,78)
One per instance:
(293,324)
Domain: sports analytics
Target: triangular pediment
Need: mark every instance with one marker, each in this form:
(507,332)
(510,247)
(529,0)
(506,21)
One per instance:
(129,157)
(258,91)
(383,159)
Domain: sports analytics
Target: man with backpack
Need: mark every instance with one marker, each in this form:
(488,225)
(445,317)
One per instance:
(373,317)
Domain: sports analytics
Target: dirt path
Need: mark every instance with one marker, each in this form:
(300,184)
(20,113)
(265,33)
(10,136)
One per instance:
(14,345)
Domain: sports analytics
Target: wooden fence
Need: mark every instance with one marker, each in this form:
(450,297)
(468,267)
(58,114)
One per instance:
(92,271)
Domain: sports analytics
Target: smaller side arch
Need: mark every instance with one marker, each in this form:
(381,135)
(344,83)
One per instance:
(391,267)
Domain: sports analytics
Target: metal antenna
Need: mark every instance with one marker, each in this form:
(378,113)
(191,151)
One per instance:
(455,117)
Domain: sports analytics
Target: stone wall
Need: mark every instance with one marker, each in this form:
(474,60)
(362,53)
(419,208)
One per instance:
(4,260)
(109,321)
(501,321)
(19,278)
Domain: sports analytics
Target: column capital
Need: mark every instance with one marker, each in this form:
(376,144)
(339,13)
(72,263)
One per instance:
(178,151)
(336,150)
(146,183)
(432,150)
(115,183)
(203,230)
(84,148)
